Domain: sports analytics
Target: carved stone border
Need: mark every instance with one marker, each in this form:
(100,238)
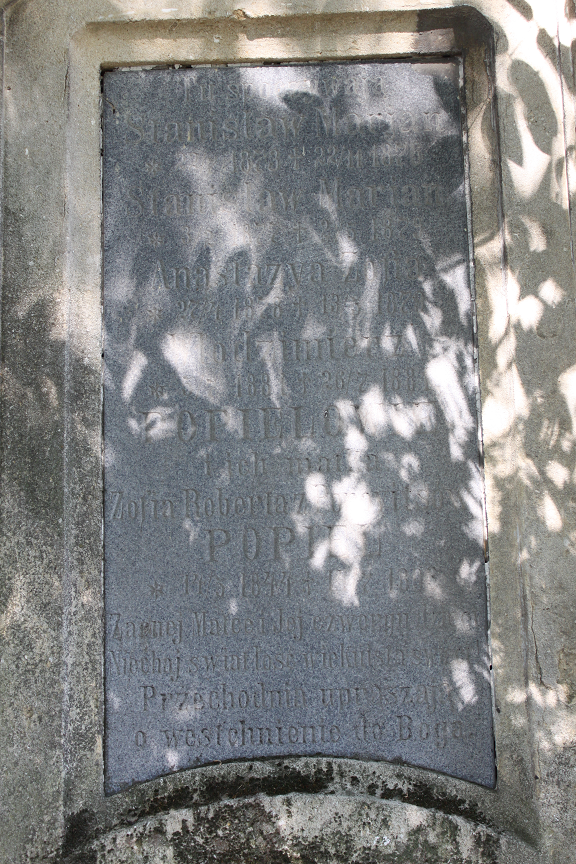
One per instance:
(96,46)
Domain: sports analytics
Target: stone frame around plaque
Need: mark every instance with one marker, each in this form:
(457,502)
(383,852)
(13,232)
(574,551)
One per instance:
(380,35)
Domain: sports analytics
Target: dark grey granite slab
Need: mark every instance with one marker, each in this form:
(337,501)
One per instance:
(294,532)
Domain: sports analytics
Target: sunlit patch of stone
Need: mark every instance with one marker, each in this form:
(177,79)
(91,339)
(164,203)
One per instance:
(536,693)
(506,351)
(377,414)
(172,759)
(551,698)
(346,411)
(133,374)
(122,287)
(231,417)
(356,445)
(464,681)
(536,236)
(313,328)
(497,295)
(528,176)
(468,572)
(271,355)
(158,423)
(550,292)
(327,202)
(549,513)
(455,276)
(462,623)
(483,671)
(407,419)
(188,712)
(343,585)
(357,506)
(564,729)
(411,339)
(444,380)
(359,510)
(320,554)
(188,352)
(347,542)
(226,227)
(413,528)
(432,318)
(516,696)
(388,341)
(567,384)
(300,523)
(373,413)
(497,418)
(557,473)
(192,530)
(472,497)
(317,491)
(348,251)
(528,311)
(409,467)
(110,456)
(115,702)
(369,297)
(433,586)
(287,79)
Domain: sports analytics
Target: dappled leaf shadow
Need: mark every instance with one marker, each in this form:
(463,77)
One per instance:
(291,408)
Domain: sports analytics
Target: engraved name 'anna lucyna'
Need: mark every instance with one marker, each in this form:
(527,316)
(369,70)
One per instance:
(193,279)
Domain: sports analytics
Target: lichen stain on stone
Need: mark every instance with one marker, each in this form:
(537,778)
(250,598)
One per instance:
(422,795)
(211,790)
(245,835)
(298,828)
(80,828)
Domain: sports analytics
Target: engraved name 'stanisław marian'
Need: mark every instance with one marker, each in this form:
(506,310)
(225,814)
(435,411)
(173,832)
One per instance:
(293,502)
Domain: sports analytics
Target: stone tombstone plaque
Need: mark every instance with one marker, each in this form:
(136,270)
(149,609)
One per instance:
(293,516)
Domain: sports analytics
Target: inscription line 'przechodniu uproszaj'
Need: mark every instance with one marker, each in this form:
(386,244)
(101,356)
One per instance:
(294,520)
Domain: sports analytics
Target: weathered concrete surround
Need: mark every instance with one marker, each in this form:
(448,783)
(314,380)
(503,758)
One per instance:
(520,106)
